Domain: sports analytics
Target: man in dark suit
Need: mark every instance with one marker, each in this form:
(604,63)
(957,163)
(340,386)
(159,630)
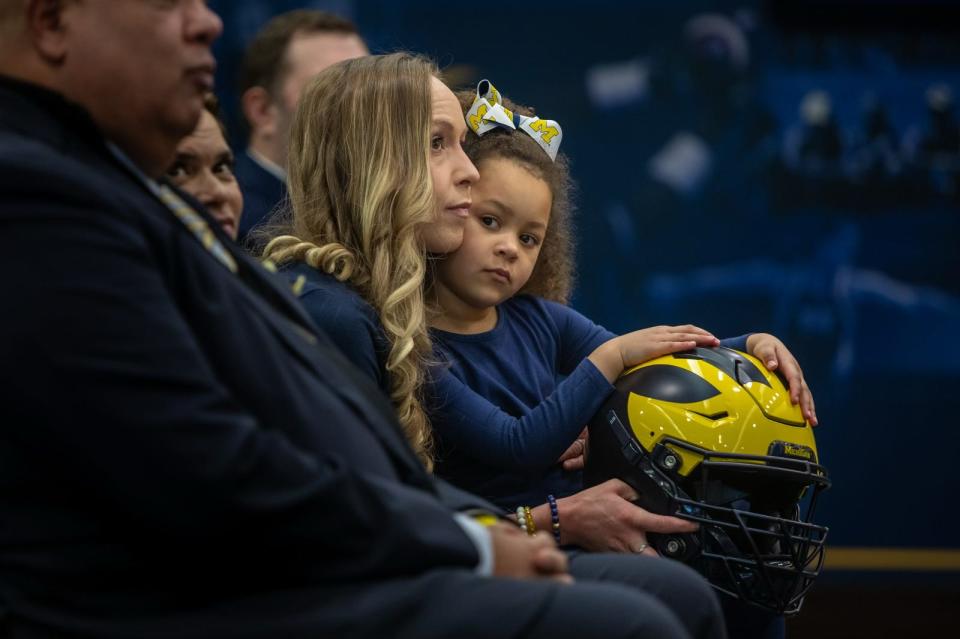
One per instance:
(284,55)
(181,453)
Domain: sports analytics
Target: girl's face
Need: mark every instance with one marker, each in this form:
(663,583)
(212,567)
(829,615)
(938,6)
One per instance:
(204,169)
(502,237)
(451,171)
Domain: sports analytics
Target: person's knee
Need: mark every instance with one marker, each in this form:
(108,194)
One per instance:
(611,611)
(677,585)
(688,592)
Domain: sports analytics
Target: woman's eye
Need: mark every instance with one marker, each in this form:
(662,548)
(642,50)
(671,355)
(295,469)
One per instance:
(436,143)
(177,171)
(223,168)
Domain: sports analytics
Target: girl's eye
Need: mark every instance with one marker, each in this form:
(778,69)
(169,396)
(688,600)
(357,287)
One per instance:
(489,222)
(529,240)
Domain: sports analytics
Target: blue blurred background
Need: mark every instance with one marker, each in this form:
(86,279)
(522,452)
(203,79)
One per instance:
(790,167)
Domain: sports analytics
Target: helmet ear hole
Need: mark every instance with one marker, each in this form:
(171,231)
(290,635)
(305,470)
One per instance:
(682,547)
(708,435)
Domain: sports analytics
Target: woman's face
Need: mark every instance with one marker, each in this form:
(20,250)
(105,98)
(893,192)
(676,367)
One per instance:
(451,170)
(204,169)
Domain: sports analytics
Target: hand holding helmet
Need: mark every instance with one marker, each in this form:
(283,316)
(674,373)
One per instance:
(603,518)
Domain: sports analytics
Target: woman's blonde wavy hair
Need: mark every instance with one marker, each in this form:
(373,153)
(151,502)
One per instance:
(359,188)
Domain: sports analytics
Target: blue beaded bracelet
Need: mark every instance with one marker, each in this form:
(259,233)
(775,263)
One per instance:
(554,518)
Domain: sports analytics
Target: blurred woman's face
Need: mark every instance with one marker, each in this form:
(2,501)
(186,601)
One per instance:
(451,170)
(204,169)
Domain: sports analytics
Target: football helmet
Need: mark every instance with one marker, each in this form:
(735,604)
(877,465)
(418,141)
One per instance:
(711,436)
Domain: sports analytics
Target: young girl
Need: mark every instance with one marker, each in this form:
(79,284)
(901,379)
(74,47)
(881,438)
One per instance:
(501,416)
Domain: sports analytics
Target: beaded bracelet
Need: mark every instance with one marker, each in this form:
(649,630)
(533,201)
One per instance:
(531,527)
(521,519)
(554,518)
(525,519)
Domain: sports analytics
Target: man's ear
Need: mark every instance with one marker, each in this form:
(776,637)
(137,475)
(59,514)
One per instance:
(259,111)
(47,25)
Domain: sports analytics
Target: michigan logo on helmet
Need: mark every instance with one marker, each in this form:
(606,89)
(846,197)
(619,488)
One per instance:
(710,435)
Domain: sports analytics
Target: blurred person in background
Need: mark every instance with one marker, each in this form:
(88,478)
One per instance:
(289,50)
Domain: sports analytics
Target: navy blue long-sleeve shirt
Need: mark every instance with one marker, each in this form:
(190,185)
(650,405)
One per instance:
(504,404)
(514,398)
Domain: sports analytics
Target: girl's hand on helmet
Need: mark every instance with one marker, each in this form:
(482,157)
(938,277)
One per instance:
(615,355)
(604,518)
(776,356)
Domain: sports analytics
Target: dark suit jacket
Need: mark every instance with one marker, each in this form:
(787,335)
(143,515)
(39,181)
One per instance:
(177,442)
(262,192)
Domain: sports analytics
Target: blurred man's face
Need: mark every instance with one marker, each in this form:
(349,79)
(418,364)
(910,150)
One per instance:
(310,53)
(307,55)
(141,67)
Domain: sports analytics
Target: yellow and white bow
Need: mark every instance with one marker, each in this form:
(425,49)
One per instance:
(488,113)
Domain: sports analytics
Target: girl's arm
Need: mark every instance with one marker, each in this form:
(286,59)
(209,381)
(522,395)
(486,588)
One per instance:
(470,422)
(581,338)
(617,354)
(467,420)
(614,356)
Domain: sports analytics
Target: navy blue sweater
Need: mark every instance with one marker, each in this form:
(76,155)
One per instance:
(514,398)
(504,404)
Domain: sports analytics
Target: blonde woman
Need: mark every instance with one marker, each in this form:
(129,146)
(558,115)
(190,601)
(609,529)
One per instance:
(378,183)
(360,229)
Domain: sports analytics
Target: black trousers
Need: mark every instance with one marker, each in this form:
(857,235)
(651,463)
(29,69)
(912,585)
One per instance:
(684,592)
(616,596)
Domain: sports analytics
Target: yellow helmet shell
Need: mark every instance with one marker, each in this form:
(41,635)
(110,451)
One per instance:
(743,410)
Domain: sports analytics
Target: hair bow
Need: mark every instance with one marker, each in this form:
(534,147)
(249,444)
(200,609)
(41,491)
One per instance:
(488,113)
